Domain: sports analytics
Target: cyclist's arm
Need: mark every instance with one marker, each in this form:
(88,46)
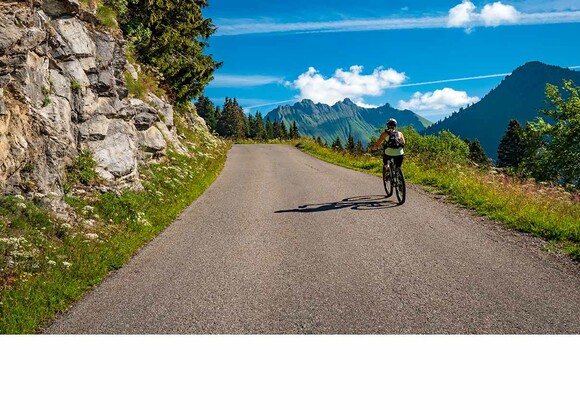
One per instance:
(381,138)
(402,138)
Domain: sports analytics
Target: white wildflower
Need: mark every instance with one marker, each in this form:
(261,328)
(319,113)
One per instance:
(51,262)
(88,209)
(19,197)
(67,264)
(66,226)
(21,205)
(39,195)
(92,236)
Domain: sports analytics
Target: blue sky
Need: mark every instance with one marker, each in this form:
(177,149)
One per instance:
(375,52)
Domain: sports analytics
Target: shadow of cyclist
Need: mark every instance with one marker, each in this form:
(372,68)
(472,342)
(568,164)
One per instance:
(358,203)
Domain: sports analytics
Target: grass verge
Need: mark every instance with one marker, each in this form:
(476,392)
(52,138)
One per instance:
(47,264)
(545,211)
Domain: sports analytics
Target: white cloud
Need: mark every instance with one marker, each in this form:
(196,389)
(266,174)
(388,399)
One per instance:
(230,80)
(465,15)
(364,105)
(498,13)
(438,100)
(462,15)
(345,84)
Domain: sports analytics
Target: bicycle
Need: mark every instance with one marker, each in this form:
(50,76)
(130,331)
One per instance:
(394,179)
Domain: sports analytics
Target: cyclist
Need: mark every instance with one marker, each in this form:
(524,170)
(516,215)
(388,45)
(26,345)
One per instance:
(393,146)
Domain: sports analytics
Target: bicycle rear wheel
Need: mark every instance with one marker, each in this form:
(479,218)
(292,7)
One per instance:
(400,187)
(387,182)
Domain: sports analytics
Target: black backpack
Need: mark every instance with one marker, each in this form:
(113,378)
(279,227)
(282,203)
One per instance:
(394,141)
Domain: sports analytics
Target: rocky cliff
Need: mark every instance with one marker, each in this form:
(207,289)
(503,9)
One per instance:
(62,91)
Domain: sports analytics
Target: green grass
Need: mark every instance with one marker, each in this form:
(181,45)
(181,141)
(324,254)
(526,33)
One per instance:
(107,16)
(47,264)
(541,210)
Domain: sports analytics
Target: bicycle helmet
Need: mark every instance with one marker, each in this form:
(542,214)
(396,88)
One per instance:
(391,122)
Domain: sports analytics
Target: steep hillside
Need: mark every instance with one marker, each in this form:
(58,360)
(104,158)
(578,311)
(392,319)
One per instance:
(342,119)
(519,96)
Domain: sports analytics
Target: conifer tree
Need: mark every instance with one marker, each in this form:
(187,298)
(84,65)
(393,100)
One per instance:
(218,114)
(269,129)
(171,36)
(319,141)
(277,130)
(359,147)
(350,143)
(206,110)
(294,134)
(337,144)
(512,147)
(251,127)
(232,122)
(477,154)
(259,127)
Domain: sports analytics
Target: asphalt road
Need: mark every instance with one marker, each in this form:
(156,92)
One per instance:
(285,243)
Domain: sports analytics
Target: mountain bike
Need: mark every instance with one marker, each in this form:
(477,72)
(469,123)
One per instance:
(394,179)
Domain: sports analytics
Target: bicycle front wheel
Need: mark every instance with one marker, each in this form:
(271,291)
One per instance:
(387,182)
(400,187)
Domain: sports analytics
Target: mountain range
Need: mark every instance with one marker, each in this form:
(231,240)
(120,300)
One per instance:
(343,118)
(519,96)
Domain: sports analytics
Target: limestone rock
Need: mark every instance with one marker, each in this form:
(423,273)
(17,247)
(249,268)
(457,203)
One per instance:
(164,108)
(76,36)
(151,140)
(56,8)
(116,153)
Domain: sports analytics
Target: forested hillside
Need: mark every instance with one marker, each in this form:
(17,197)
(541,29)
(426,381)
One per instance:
(342,119)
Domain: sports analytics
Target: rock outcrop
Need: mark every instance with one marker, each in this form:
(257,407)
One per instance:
(62,91)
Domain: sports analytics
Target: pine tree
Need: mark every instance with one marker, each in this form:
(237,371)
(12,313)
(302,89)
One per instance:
(259,127)
(337,144)
(279,130)
(232,122)
(285,133)
(512,147)
(206,110)
(477,154)
(218,114)
(294,134)
(319,141)
(350,143)
(171,36)
(251,127)
(359,147)
(269,129)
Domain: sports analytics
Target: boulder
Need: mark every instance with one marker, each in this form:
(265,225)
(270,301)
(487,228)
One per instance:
(56,8)
(76,36)
(95,129)
(151,140)
(116,153)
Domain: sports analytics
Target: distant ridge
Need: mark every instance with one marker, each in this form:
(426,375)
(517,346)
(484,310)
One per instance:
(343,118)
(519,96)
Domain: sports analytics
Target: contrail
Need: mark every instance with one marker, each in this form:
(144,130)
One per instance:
(450,80)
(479,77)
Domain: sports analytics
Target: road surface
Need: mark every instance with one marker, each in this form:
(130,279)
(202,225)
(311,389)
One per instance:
(285,243)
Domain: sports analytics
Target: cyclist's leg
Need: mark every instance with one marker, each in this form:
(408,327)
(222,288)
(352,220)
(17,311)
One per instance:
(399,160)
